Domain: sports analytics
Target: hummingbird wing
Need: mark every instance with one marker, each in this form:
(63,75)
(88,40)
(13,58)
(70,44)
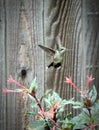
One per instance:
(47,49)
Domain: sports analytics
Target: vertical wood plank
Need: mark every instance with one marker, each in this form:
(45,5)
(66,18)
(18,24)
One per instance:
(11,42)
(2,66)
(64,18)
(28,56)
(91,38)
(25,24)
(24,31)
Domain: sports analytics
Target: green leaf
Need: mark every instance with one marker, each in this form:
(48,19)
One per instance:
(50,99)
(47,103)
(77,107)
(82,119)
(65,102)
(56,96)
(68,124)
(48,91)
(93,94)
(31,113)
(38,125)
(31,97)
(75,104)
(95,112)
(34,105)
(46,94)
(33,85)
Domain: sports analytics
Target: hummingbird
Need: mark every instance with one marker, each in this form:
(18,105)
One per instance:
(57,54)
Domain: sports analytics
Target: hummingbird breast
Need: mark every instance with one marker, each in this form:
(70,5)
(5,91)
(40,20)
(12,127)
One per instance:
(57,58)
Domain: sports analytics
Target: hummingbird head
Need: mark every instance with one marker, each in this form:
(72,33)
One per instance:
(62,50)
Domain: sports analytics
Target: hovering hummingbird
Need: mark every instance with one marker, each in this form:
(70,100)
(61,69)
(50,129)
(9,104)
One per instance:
(58,54)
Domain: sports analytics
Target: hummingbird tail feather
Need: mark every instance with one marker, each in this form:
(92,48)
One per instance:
(58,65)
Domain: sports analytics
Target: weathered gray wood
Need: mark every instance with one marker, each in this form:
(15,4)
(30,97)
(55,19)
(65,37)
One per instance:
(63,18)
(22,25)
(26,23)
(2,66)
(28,56)
(91,38)
(11,37)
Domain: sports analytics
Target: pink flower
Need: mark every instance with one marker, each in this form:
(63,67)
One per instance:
(11,80)
(69,80)
(24,91)
(89,81)
(53,109)
(6,90)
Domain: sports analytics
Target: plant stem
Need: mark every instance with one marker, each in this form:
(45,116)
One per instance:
(38,102)
(51,120)
(89,110)
(41,108)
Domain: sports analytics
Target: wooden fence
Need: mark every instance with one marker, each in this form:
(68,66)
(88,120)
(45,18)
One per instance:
(26,23)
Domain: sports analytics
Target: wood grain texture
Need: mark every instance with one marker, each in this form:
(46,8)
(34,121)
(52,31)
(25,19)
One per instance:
(26,23)
(28,56)
(63,19)
(11,37)
(91,38)
(3,104)
(21,32)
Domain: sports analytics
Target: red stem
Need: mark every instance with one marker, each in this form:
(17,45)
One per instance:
(41,108)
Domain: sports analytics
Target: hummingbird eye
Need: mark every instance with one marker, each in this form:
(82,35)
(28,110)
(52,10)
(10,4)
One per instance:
(61,49)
